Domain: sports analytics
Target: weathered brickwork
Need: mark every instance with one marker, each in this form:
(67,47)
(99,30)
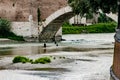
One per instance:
(19,10)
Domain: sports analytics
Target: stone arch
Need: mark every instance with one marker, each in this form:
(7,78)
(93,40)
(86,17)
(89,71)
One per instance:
(57,14)
(53,23)
(68,10)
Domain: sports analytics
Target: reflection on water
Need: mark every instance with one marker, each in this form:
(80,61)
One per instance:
(76,40)
(32,50)
(5,51)
(28,50)
(21,50)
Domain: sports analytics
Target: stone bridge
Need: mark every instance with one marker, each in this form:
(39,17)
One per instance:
(53,23)
(19,12)
(53,14)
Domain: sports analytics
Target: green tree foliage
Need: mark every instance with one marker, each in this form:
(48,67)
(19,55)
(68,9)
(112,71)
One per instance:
(106,6)
(84,6)
(79,6)
(103,18)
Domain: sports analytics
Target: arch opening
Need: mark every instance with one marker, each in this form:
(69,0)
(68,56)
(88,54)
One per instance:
(54,22)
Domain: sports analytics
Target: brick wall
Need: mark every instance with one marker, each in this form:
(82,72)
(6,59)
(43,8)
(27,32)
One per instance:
(19,10)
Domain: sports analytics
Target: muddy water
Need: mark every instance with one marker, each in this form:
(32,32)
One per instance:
(91,56)
(83,42)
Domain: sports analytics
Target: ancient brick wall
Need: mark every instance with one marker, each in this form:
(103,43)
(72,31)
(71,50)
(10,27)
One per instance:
(19,10)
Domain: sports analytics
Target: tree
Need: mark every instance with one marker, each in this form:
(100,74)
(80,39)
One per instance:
(83,7)
(105,5)
(108,6)
(94,5)
(77,9)
(79,6)
(38,15)
(103,18)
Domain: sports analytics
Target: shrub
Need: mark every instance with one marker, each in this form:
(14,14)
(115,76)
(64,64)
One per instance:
(5,32)
(95,28)
(15,37)
(67,24)
(31,61)
(43,60)
(4,27)
(22,59)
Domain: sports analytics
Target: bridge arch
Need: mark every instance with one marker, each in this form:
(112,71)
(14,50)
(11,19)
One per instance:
(57,14)
(68,10)
(53,23)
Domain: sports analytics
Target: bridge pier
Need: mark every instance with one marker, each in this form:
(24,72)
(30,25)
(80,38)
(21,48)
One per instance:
(115,69)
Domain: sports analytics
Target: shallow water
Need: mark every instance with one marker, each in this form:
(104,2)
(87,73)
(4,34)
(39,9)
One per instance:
(92,55)
(72,43)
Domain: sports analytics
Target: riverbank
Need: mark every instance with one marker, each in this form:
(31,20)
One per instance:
(95,28)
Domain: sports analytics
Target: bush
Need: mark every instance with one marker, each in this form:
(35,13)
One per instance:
(43,60)
(15,37)
(5,32)
(4,27)
(95,28)
(22,59)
